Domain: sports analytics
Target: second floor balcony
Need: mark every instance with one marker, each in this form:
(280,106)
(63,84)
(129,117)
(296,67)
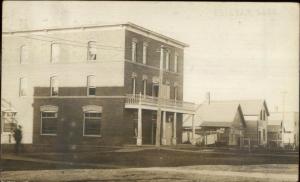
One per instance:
(153,103)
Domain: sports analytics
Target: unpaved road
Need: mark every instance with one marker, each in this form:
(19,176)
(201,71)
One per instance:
(205,173)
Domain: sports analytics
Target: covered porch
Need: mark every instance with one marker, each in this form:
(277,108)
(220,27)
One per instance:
(147,108)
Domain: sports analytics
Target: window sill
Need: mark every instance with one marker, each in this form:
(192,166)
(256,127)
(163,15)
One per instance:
(96,136)
(44,134)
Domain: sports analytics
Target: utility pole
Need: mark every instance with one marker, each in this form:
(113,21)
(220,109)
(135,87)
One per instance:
(283,105)
(158,119)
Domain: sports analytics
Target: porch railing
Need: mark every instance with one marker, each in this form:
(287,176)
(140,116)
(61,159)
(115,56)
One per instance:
(135,99)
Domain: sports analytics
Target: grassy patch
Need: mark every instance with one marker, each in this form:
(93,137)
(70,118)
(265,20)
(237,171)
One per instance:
(164,158)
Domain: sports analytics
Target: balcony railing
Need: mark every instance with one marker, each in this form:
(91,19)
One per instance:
(138,99)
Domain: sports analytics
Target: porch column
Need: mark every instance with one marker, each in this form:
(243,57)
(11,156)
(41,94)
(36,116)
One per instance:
(163,140)
(139,133)
(174,140)
(193,130)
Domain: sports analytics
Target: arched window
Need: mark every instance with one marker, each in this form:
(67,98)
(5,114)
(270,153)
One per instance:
(49,119)
(92,51)
(24,54)
(55,52)
(92,120)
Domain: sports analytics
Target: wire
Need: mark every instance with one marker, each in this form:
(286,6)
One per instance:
(74,45)
(101,45)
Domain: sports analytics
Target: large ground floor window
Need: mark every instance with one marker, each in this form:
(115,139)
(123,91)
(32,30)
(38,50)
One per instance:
(92,124)
(48,123)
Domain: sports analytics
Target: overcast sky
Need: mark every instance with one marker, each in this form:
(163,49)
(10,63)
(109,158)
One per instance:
(237,50)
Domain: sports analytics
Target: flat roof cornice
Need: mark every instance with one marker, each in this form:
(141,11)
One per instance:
(128,24)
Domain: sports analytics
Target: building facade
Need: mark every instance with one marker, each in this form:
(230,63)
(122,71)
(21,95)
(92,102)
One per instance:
(290,128)
(256,115)
(95,85)
(275,133)
(215,115)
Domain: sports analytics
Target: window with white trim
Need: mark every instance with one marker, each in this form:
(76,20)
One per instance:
(167,60)
(176,63)
(133,83)
(133,50)
(54,86)
(92,51)
(23,86)
(92,123)
(91,85)
(144,86)
(175,92)
(55,52)
(145,46)
(49,122)
(24,54)
(9,121)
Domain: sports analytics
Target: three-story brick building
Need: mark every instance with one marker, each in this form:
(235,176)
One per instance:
(92,85)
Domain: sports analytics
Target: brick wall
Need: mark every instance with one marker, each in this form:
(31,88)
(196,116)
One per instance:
(70,122)
(151,68)
(80,91)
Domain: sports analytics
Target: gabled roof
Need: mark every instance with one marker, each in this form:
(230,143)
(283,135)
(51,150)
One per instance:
(249,107)
(216,114)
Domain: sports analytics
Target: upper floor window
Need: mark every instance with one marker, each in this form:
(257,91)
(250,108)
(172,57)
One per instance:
(175,92)
(49,120)
(263,115)
(176,63)
(92,51)
(167,60)
(23,86)
(55,52)
(133,83)
(133,50)
(24,54)
(54,86)
(91,85)
(92,120)
(144,87)
(145,45)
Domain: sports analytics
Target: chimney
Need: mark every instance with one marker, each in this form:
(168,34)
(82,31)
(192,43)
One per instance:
(208,97)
